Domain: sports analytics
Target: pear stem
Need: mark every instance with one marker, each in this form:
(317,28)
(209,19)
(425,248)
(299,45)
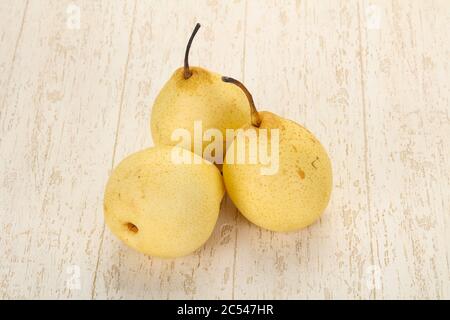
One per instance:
(187,72)
(256,119)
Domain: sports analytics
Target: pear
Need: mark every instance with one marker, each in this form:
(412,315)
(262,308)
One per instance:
(294,196)
(196,94)
(160,207)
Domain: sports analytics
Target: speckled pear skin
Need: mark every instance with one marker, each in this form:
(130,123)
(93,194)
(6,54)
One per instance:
(204,96)
(160,208)
(294,197)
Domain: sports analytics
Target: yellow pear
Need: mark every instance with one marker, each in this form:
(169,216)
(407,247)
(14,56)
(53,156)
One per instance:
(293,196)
(195,94)
(161,207)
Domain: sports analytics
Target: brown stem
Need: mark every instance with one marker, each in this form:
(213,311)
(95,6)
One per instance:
(256,120)
(187,72)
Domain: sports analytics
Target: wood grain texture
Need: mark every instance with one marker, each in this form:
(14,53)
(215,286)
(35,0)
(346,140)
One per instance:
(58,129)
(316,83)
(406,86)
(370,79)
(153,57)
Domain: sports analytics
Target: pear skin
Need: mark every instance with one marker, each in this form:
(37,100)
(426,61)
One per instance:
(297,194)
(161,208)
(203,96)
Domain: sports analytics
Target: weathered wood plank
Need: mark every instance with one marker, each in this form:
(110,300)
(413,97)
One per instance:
(406,84)
(369,79)
(12,18)
(302,62)
(157,49)
(57,134)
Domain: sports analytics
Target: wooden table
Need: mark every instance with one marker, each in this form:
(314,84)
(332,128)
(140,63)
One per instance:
(370,78)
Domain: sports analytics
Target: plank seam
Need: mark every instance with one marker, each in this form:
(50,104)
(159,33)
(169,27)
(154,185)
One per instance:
(366,149)
(122,95)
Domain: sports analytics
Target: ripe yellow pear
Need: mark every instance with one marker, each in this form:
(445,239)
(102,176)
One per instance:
(162,208)
(298,193)
(195,94)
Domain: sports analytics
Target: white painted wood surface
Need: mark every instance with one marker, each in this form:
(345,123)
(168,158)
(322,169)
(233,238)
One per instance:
(369,78)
